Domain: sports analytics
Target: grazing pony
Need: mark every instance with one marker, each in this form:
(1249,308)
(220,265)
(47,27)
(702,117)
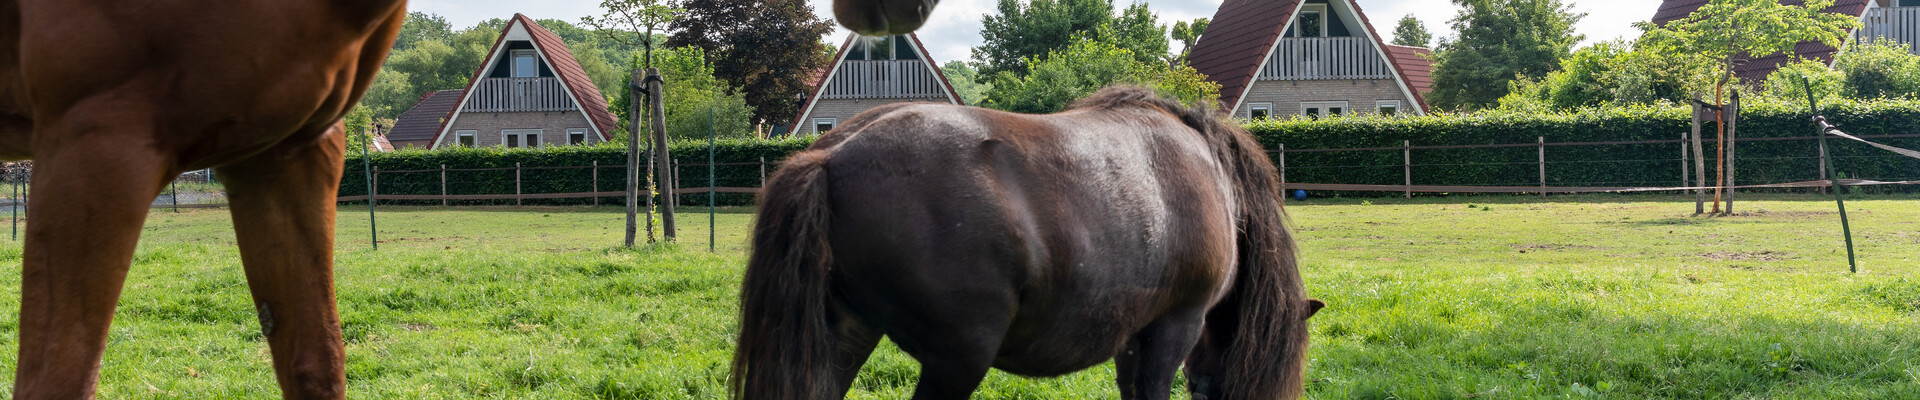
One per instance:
(113,99)
(1128,227)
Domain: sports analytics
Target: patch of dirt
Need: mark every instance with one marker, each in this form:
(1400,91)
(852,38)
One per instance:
(1551,247)
(416,327)
(1747,256)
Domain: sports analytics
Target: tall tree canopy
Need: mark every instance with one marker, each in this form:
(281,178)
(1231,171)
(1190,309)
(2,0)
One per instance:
(1410,32)
(1024,31)
(767,49)
(1496,41)
(1188,34)
(967,82)
(1725,32)
(1064,75)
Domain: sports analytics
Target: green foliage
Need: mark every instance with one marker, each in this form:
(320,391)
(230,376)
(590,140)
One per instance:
(610,157)
(1881,69)
(691,90)
(1086,66)
(1188,34)
(966,81)
(1410,32)
(1024,31)
(1828,84)
(767,50)
(421,27)
(1608,74)
(1496,41)
(1724,32)
(1610,165)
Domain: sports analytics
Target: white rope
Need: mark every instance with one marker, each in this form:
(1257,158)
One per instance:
(1904,152)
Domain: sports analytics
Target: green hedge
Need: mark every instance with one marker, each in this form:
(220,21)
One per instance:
(1595,165)
(1599,165)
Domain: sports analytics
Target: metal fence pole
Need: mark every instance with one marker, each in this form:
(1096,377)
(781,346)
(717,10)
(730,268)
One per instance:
(443,185)
(1683,161)
(1820,124)
(1699,162)
(373,189)
(763,171)
(16,173)
(1283,169)
(174,187)
(596,183)
(712,197)
(1733,122)
(1541,143)
(516,184)
(1406,158)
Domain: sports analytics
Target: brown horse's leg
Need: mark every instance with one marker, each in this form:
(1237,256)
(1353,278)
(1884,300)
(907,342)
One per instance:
(283,205)
(857,341)
(1158,351)
(90,194)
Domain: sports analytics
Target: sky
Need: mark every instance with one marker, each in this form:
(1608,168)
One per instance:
(955,25)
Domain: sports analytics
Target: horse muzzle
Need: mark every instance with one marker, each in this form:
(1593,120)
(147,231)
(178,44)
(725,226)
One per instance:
(883,17)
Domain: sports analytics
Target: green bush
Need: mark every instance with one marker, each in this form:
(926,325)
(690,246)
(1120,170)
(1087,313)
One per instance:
(534,180)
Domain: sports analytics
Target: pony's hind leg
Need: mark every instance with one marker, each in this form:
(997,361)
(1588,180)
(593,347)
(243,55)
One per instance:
(1145,368)
(856,343)
(96,178)
(283,215)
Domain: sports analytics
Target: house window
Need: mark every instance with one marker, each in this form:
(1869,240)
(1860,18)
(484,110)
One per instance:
(466,138)
(1259,111)
(576,136)
(1323,109)
(525,64)
(1312,21)
(520,137)
(1387,107)
(822,125)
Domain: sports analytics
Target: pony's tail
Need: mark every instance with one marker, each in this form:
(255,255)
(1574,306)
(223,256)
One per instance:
(785,345)
(1266,313)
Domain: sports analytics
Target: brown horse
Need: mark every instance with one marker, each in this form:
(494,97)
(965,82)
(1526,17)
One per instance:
(112,99)
(882,17)
(1128,228)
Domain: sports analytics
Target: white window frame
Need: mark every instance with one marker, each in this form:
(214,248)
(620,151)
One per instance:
(528,137)
(829,122)
(579,132)
(1253,108)
(1324,108)
(513,64)
(466,138)
(1317,9)
(1380,105)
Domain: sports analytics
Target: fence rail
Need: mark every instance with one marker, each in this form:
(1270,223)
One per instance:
(519,94)
(883,79)
(1325,58)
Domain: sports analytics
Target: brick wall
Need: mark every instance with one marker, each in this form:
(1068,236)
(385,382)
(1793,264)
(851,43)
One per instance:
(1286,96)
(553,126)
(841,109)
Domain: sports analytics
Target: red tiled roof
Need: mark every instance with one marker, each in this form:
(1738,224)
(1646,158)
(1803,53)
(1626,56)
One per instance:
(1414,66)
(820,80)
(422,122)
(1419,97)
(1237,40)
(1756,69)
(561,61)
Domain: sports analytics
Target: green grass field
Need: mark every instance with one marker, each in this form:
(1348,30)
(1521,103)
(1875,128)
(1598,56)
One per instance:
(1622,297)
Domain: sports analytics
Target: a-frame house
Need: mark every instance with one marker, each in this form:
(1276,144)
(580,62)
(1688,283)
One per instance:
(1318,58)
(530,92)
(868,73)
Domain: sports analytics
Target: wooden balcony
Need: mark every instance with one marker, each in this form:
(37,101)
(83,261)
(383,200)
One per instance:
(883,79)
(1351,57)
(1898,23)
(519,94)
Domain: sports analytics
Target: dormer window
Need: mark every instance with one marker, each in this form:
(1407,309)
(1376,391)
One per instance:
(525,64)
(893,47)
(1312,21)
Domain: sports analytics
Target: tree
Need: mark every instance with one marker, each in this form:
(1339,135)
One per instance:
(1025,31)
(632,22)
(1496,41)
(1058,78)
(967,83)
(1188,34)
(1879,69)
(1411,32)
(1727,32)
(421,27)
(768,50)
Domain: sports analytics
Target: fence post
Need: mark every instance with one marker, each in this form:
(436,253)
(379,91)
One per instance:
(373,190)
(763,171)
(1283,170)
(1683,161)
(443,185)
(1406,163)
(1699,162)
(516,184)
(1733,118)
(13,171)
(596,183)
(174,186)
(1541,143)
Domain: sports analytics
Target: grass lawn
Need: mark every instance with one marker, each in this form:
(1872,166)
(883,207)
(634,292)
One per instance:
(1600,296)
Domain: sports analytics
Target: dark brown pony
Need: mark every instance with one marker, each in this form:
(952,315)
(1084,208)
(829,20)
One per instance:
(1128,228)
(112,99)
(882,17)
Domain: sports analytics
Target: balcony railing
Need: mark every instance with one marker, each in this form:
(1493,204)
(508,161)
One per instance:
(1898,23)
(519,94)
(1325,58)
(883,79)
